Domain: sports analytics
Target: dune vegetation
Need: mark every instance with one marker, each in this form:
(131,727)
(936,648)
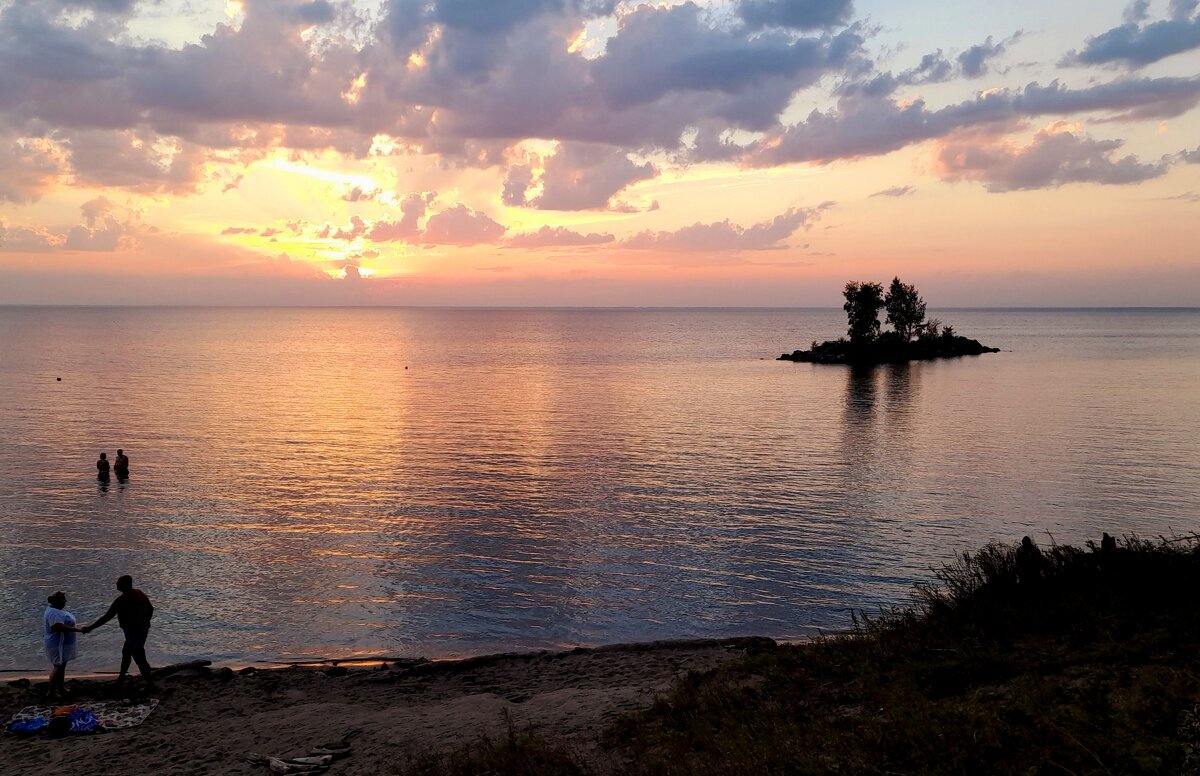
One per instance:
(1075,660)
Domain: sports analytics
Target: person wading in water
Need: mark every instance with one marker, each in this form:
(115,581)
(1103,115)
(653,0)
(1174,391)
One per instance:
(121,465)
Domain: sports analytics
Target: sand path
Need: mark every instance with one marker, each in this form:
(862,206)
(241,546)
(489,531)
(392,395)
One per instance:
(209,720)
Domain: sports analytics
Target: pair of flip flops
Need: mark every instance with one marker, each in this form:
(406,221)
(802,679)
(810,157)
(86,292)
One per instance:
(317,761)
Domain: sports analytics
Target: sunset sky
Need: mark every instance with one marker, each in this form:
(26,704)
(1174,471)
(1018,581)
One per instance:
(598,152)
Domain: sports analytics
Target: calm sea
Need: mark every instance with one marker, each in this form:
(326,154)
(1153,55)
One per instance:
(332,482)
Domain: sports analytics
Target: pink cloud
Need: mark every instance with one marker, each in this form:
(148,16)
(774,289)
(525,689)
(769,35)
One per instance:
(106,227)
(460,225)
(578,176)
(724,236)
(408,228)
(1056,156)
(558,236)
(28,169)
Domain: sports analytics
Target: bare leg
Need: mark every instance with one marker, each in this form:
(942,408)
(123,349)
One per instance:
(58,676)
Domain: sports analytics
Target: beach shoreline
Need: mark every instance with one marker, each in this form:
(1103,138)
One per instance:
(210,719)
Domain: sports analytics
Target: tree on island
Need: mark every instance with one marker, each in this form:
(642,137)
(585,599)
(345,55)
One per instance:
(905,309)
(912,338)
(863,303)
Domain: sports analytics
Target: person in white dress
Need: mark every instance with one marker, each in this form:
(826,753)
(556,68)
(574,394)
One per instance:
(58,635)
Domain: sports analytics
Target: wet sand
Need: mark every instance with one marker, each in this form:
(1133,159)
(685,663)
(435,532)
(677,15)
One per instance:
(209,720)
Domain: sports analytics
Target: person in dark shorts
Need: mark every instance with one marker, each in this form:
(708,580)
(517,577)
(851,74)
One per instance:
(121,465)
(133,611)
(102,468)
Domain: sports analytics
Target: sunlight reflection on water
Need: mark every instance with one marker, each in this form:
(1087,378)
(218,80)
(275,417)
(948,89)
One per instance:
(327,482)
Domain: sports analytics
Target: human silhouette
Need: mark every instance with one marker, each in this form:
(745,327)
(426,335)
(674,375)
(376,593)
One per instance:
(121,465)
(102,468)
(1108,545)
(1030,562)
(58,638)
(133,611)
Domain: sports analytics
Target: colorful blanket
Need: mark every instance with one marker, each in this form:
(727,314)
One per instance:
(112,715)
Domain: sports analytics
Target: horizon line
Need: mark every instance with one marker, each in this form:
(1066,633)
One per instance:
(597,308)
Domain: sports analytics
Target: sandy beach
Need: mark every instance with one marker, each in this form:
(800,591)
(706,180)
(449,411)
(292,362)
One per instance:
(210,719)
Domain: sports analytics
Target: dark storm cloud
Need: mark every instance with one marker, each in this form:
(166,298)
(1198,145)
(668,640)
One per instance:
(795,14)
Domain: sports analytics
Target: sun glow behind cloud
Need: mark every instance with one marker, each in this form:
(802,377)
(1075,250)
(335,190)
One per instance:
(569,146)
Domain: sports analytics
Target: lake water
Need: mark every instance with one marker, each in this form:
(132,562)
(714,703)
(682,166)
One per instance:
(335,482)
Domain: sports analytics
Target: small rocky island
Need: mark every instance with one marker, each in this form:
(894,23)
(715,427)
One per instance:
(912,338)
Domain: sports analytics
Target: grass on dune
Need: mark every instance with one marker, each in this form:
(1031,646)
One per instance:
(1081,661)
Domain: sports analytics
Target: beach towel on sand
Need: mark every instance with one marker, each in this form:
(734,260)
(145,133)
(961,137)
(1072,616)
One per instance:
(110,715)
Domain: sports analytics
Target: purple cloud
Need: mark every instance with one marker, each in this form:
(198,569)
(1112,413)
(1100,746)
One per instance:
(974,62)
(1054,158)
(664,50)
(578,176)
(725,236)
(359,194)
(896,191)
(866,126)
(795,14)
(557,236)
(1136,45)
(408,228)
(460,225)
(23,239)
(105,228)
(28,170)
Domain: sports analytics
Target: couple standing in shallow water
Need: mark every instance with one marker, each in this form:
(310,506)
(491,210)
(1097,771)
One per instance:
(120,466)
(133,611)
